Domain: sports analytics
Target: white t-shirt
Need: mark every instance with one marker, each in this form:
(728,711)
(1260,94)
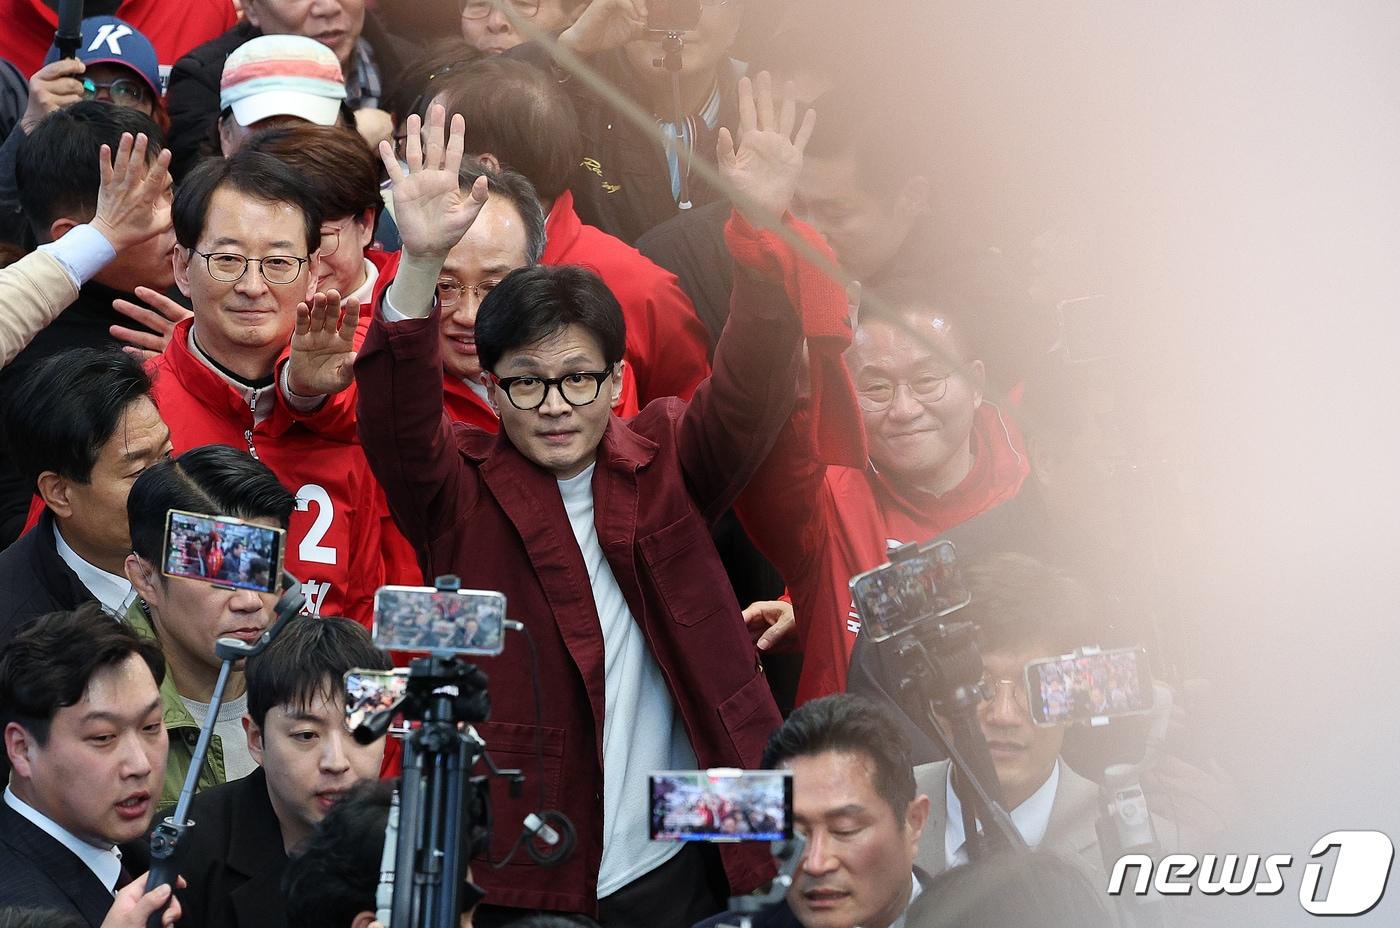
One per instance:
(642,732)
(238,763)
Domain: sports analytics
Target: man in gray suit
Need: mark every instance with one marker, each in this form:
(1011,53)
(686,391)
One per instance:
(1025,611)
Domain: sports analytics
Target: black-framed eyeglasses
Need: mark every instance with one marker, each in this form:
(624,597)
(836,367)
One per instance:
(123,91)
(480,9)
(927,387)
(578,389)
(228,267)
(449,290)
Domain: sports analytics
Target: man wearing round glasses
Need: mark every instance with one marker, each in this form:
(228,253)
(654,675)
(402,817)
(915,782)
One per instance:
(594,527)
(940,456)
(488,28)
(249,230)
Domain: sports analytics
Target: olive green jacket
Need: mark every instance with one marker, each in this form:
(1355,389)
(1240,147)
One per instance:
(180,726)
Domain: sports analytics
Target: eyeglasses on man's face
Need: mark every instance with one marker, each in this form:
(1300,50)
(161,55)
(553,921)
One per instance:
(877,395)
(228,267)
(450,290)
(480,9)
(578,389)
(122,91)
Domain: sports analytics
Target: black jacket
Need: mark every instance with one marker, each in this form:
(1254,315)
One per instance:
(623,185)
(39,873)
(35,581)
(233,859)
(780,915)
(192,98)
(84,324)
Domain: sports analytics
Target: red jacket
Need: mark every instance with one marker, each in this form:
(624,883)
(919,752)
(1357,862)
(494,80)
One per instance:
(667,345)
(334,541)
(488,514)
(27,27)
(820,526)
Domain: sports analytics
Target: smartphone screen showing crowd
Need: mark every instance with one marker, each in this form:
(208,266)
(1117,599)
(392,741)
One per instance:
(1089,686)
(721,805)
(895,597)
(408,618)
(370,692)
(240,554)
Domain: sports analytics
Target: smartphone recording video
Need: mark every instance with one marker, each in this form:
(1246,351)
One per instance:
(673,15)
(412,618)
(224,551)
(895,597)
(1089,688)
(721,805)
(370,692)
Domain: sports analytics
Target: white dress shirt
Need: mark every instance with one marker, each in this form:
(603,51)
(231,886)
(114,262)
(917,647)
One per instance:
(113,592)
(104,862)
(1031,818)
(913,897)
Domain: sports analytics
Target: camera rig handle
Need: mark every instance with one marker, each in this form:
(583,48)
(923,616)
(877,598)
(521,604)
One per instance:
(789,856)
(167,835)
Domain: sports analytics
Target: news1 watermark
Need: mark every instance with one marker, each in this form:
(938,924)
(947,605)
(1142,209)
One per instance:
(1359,871)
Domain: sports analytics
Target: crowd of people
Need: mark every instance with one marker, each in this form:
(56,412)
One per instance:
(667,350)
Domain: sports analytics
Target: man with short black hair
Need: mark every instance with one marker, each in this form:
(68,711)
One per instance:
(187,617)
(594,527)
(80,429)
(855,802)
(80,710)
(248,231)
(307,760)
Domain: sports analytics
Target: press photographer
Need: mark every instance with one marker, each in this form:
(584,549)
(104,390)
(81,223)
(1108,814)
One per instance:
(1023,611)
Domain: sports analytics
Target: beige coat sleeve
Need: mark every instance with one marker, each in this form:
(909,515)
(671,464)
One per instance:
(33,291)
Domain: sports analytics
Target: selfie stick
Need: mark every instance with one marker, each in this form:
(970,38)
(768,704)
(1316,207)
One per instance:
(789,855)
(70,28)
(671,47)
(948,676)
(166,838)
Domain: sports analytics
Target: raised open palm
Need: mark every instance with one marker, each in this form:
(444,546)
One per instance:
(431,209)
(768,161)
(323,345)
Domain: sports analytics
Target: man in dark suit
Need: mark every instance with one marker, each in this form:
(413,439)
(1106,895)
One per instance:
(854,800)
(234,858)
(79,429)
(83,731)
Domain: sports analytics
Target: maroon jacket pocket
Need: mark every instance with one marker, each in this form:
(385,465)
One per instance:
(680,557)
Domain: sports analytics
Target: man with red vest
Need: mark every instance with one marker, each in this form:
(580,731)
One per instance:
(249,230)
(940,454)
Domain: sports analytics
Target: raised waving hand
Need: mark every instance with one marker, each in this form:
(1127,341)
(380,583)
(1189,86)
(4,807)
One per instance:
(767,162)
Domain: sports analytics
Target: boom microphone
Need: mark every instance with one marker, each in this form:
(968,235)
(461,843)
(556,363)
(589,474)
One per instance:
(70,28)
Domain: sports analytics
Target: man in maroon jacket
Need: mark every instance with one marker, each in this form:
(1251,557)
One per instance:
(594,527)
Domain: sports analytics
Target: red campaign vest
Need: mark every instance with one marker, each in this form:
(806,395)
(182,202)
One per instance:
(334,540)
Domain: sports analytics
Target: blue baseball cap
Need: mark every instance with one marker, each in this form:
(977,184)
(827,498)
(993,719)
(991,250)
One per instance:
(107,39)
